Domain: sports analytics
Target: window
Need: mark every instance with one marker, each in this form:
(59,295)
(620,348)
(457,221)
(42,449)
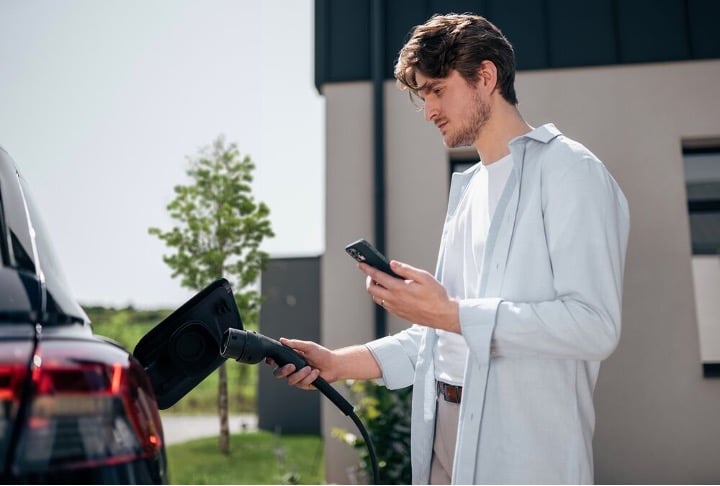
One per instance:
(702,179)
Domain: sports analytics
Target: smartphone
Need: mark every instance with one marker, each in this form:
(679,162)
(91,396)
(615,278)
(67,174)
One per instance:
(363,251)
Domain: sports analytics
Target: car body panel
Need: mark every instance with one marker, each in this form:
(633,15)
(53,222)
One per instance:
(74,407)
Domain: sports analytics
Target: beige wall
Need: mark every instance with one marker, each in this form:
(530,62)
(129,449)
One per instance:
(658,420)
(347,317)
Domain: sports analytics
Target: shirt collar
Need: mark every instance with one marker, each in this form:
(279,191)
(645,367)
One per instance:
(542,134)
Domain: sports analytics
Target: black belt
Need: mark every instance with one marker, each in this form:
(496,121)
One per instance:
(451,393)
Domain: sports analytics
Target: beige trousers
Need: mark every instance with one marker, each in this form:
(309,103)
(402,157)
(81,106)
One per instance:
(446,426)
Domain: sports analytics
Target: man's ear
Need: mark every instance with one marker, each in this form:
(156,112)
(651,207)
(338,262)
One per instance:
(487,76)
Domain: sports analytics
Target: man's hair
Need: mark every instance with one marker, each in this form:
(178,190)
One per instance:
(460,42)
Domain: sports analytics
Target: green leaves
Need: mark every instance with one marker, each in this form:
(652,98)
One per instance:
(386,415)
(219,226)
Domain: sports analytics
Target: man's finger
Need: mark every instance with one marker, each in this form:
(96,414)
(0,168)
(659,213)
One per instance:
(381,279)
(284,371)
(407,271)
(299,377)
(308,380)
(298,345)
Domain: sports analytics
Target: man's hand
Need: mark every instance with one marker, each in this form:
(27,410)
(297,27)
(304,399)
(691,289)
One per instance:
(318,358)
(352,362)
(419,298)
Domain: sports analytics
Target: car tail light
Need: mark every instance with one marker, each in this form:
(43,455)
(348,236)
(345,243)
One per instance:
(14,359)
(91,405)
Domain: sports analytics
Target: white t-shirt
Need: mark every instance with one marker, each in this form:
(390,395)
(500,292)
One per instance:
(462,264)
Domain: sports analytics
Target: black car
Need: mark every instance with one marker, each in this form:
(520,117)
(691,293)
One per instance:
(76,407)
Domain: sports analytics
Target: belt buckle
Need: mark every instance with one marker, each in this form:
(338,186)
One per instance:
(450,393)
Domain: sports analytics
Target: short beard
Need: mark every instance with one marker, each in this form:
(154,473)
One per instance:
(479,115)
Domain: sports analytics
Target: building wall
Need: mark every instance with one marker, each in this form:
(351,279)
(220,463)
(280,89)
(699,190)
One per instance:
(347,317)
(657,417)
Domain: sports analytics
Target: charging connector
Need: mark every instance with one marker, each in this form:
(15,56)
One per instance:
(251,348)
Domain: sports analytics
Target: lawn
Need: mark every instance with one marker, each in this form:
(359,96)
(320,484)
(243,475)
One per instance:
(255,458)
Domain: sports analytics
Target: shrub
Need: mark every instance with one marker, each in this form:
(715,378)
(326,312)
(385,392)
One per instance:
(386,416)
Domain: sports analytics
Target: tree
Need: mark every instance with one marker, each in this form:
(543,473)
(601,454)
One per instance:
(219,232)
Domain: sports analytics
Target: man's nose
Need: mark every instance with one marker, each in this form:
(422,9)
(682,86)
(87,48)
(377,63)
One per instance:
(431,111)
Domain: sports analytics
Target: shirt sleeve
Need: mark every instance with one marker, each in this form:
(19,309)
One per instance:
(586,221)
(397,356)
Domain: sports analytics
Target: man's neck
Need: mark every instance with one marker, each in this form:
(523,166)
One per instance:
(505,124)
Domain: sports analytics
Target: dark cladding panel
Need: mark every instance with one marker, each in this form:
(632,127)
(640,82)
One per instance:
(704,32)
(345,44)
(457,6)
(322,40)
(545,33)
(652,30)
(524,24)
(291,308)
(581,33)
(400,17)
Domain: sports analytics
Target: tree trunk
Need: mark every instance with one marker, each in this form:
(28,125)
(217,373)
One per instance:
(223,410)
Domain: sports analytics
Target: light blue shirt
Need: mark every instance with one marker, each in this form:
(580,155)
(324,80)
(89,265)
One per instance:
(548,313)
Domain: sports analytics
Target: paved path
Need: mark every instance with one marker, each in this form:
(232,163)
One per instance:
(181,428)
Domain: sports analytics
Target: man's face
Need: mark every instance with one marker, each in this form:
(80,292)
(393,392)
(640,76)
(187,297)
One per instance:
(455,107)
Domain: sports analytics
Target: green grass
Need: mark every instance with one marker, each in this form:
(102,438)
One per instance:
(255,458)
(128,325)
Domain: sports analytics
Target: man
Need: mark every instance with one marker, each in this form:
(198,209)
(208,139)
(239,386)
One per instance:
(525,303)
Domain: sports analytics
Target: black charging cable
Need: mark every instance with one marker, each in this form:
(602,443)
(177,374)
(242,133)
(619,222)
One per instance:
(251,348)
